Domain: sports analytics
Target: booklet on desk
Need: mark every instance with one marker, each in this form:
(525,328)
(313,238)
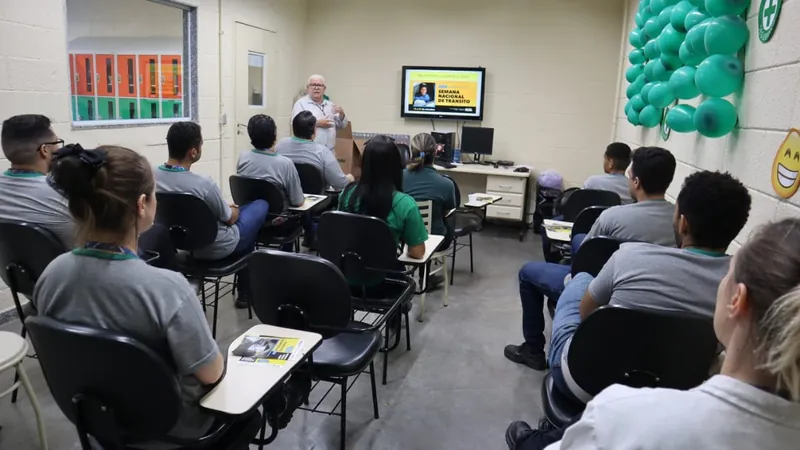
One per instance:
(268,350)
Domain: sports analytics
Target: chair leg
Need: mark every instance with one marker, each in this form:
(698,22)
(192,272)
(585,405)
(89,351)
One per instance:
(423,280)
(408,332)
(22,333)
(385,354)
(374,390)
(446,278)
(453,261)
(216,308)
(263,433)
(203,293)
(235,284)
(344,413)
(470,254)
(26,384)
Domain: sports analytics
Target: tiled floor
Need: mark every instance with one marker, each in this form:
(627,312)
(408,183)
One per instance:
(453,390)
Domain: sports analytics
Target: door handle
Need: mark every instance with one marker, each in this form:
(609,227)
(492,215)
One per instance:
(239,127)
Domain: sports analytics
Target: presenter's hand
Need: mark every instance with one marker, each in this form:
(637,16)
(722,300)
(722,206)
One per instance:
(325,123)
(338,109)
(350,177)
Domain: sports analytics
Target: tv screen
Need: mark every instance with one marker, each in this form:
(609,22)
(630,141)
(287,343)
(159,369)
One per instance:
(443,92)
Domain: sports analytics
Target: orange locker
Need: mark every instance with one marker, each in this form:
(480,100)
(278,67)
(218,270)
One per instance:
(149,81)
(171,76)
(106,87)
(126,75)
(84,74)
(72,80)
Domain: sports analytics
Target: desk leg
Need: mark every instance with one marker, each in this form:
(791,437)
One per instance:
(524,226)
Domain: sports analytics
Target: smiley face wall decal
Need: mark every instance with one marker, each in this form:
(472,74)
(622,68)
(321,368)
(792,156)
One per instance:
(786,166)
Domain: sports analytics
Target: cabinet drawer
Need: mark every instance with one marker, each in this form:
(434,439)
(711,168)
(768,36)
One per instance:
(505,184)
(504,212)
(508,199)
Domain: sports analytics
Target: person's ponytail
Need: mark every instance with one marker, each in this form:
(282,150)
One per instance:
(423,152)
(780,342)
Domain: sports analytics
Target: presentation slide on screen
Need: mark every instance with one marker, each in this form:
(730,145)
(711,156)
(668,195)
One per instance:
(443,92)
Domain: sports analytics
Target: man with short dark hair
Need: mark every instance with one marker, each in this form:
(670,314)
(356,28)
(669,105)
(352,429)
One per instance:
(615,160)
(302,149)
(28,143)
(237,227)
(647,220)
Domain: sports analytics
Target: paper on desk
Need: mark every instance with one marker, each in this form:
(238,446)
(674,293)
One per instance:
(558,230)
(313,198)
(270,350)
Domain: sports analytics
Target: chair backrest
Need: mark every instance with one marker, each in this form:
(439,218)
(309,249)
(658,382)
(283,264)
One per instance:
(426,211)
(584,198)
(641,348)
(455,186)
(587,218)
(245,190)
(191,223)
(561,199)
(311,178)
(106,383)
(25,250)
(593,254)
(354,242)
(312,284)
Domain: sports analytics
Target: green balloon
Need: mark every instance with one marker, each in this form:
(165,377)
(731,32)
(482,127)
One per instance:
(718,8)
(656,6)
(637,103)
(725,35)
(689,57)
(646,90)
(694,17)
(663,16)
(671,61)
(671,2)
(635,87)
(649,74)
(636,56)
(714,118)
(660,96)
(639,19)
(635,38)
(660,72)
(644,4)
(719,75)
(681,118)
(633,72)
(650,115)
(698,3)
(633,117)
(651,49)
(670,40)
(682,83)
(696,38)
(678,16)
(652,27)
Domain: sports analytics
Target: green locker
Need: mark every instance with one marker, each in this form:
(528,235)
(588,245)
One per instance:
(171,108)
(128,109)
(107,108)
(148,109)
(87,108)
(73,100)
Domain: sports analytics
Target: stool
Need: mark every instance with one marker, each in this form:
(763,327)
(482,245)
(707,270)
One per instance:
(12,351)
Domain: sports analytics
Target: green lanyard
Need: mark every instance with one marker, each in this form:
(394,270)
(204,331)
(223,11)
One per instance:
(700,251)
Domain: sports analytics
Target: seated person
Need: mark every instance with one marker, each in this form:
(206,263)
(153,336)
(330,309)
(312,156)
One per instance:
(103,284)
(301,149)
(379,194)
(647,220)
(237,227)
(712,208)
(755,400)
(615,161)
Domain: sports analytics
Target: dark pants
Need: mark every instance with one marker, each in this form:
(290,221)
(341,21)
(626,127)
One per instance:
(157,240)
(539,440)
(251,218)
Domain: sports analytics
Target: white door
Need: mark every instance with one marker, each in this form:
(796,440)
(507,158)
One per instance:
(255,83)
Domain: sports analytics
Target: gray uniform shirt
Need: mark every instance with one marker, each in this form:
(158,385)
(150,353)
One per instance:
(647,221)
(647,276)
(616,183)
(278,170)
(155,306)
(28,198)
(203,187)
(324,110)
(302,151)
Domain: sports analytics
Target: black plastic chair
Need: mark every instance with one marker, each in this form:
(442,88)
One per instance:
(25,251)
(283,296)
(311,178)
(117,390)
(586,219)
(363,247)
(246,189)
(637,348)
(584,198)
(193,226)
(464,221)
(593,254)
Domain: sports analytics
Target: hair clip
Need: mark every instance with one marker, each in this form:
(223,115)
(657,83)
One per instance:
(421,154)
(92,158)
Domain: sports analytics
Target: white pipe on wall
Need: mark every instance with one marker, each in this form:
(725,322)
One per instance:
(622,47)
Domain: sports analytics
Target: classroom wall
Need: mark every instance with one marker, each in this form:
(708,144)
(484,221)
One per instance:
(551,69)
(768,106)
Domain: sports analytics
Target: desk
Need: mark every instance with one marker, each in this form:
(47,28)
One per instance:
(502,181)
(422,264)
(311,200)
(558,230)
(481,200)
(430,246)
(246,386)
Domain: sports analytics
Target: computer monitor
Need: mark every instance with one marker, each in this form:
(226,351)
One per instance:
(477,140)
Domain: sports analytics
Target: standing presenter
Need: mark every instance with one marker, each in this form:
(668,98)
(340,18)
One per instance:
(330,116)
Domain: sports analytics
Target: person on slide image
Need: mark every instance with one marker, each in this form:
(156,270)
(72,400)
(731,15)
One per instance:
(422,94)
(329,115)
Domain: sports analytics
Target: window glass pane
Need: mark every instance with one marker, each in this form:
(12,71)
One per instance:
(255,79)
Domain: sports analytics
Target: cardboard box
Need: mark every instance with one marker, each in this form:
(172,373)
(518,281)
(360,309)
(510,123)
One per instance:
(348,150)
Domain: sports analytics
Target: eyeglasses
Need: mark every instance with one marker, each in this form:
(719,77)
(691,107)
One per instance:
(59,144)
(315,85)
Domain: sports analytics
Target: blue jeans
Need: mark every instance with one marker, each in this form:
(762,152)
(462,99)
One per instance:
(251,219)
(577,240)
(537,280)
(565,322)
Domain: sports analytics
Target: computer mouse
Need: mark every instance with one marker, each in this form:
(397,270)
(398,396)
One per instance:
(522,169)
